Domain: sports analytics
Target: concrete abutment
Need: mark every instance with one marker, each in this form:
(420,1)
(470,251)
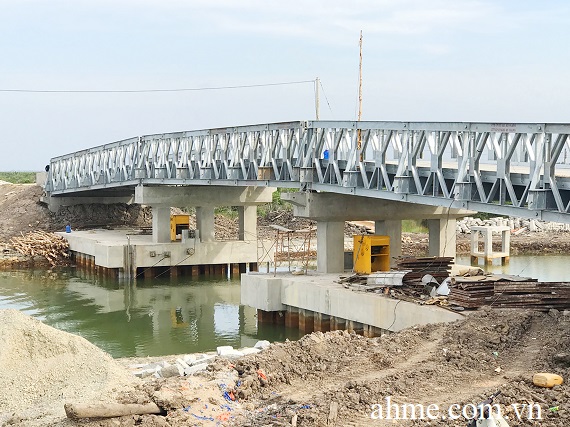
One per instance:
(133,255)
(316,303)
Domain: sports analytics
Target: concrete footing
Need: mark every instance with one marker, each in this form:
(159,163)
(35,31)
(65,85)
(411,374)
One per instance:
(86,263)
(308,321)
(316,303)
(128,254)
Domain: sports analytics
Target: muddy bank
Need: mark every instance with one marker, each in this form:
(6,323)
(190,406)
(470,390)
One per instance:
(323,379)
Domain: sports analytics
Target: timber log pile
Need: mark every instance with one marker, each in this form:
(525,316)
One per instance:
(492,290)
(53,248)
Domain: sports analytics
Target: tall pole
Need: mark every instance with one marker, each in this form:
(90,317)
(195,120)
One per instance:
(360,81)
(317,99)
(359,143)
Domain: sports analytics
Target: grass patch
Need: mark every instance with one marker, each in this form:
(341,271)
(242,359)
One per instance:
(413,226)
(227,211)
(277,204)
(18,177)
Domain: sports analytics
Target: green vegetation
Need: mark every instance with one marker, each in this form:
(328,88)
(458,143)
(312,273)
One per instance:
(414,226)
(277,203)
(227,211)
(18,177)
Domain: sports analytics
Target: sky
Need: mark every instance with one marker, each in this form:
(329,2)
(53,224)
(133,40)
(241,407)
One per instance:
(437,60)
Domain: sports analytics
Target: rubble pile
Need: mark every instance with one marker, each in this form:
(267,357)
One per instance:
(515,224)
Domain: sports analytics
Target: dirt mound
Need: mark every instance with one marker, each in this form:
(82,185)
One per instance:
(98,216)
(458,363)
(21,211)
(42,368)
(335,378)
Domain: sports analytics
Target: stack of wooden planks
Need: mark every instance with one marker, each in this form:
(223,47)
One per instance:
(509,292)
(438,267)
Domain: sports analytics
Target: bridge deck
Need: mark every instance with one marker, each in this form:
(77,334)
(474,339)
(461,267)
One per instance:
(516,169)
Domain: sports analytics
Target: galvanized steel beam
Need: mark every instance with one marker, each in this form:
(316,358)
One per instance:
(506,168)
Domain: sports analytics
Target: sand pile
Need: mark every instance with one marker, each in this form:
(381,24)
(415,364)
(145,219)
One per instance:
(42,368)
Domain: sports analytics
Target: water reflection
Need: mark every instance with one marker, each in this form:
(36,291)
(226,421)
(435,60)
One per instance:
(157,317)
(547,268)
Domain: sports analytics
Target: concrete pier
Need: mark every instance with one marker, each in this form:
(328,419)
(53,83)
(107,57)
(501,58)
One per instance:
(331,210)
(316,303)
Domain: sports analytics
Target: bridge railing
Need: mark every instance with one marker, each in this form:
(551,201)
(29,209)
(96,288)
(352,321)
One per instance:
(517,165)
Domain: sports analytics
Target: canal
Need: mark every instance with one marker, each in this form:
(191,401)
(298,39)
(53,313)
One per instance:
(173,316)
(150,318)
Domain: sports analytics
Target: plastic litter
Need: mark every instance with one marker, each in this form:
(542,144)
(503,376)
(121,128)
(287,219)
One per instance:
(200,417)
(261,375)
(229,396)
(223,417)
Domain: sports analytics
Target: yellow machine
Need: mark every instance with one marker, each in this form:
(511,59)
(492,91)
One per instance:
(371,253)
(177,224)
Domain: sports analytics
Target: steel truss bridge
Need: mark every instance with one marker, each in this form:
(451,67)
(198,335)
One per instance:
(518,169)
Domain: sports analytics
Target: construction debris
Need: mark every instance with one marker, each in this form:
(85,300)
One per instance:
(40,243)
(509,292)
(428,281)
(109,410)
(438,267)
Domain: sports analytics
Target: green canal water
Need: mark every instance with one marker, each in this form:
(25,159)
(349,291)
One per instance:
(172,316)
(150,318)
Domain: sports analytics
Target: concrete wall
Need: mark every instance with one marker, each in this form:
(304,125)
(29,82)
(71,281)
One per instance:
(321,295)
(108,248)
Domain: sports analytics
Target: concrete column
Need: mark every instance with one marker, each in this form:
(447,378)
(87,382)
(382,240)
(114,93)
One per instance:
(160,224)
(442,237)
(330,246)
(247,222)
(393,229)
(265,316)
(337,324)
(205,223)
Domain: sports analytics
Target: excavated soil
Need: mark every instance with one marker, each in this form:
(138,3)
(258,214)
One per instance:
(334,378)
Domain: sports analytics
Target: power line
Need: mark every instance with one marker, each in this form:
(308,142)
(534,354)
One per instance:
(195,89)
(326,99)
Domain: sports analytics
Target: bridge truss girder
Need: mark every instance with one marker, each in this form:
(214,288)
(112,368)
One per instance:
(517,169)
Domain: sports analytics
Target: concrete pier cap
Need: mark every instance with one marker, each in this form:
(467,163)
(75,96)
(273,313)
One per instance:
(183,196)
(330,210)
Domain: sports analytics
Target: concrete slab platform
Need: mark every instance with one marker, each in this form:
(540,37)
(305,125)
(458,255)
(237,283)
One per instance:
(318,293)
(128,249)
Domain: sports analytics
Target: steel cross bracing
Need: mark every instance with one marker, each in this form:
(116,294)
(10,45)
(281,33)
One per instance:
(515,169)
